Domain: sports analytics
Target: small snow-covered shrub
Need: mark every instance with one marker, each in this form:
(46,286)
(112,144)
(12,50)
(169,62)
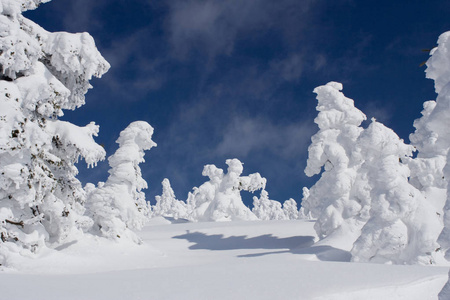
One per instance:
(167,205)
(266,209)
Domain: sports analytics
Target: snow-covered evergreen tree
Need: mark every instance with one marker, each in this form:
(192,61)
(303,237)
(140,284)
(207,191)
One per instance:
(290,209)
(334,199)
(167,205)
(219,199)
(401,228)
(42,73)
(302,215)
(436,133)
(266,209)
(118,206)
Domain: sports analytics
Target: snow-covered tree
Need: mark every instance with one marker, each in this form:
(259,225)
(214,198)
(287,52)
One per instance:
(436,133)
(118,206)
(401,228)
(201,197)
(41,74)
(167,205)
(290,209)
(302,215)
(334,200)
(266,209)
(219,199)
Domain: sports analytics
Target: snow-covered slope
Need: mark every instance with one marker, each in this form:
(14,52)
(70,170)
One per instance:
(232,260)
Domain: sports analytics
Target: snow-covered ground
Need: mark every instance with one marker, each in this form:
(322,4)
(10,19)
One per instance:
(232,260)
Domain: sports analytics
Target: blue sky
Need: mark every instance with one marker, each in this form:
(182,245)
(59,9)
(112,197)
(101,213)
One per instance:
(234,78)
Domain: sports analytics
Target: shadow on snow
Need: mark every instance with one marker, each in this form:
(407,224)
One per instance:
(295,245)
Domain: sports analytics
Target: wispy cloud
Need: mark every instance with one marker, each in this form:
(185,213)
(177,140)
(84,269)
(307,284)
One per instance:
(244,135)
(213,27)
(80,17)
(134,66)
(379,110)
(290,69)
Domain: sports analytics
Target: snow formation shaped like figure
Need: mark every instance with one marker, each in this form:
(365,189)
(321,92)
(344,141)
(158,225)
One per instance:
(401,228)
(118,206)
(335,200)
(167,205)
(266,209)
(42,73)
(219,199)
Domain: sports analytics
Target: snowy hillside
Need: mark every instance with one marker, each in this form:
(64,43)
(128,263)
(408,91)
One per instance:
(232,260)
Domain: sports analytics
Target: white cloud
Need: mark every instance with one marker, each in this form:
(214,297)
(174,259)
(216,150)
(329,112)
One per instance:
(290,69)
(242,136)
(213,27)
(80,17)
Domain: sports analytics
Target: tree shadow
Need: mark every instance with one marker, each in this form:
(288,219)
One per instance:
(295,245)
(217,242)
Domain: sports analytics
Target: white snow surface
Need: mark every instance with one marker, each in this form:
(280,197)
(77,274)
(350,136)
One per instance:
(231,260)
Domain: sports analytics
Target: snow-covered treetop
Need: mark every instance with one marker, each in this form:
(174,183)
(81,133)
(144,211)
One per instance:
(139,133)
(380,141)
(432,136)
(219,198)
(439,62)
(338,121)
(249,183)
(132,141)
(27,49)
(215,174)
(167,205)
(74,59)
(167,188)
(423,138)
(334,108)
(14,7)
